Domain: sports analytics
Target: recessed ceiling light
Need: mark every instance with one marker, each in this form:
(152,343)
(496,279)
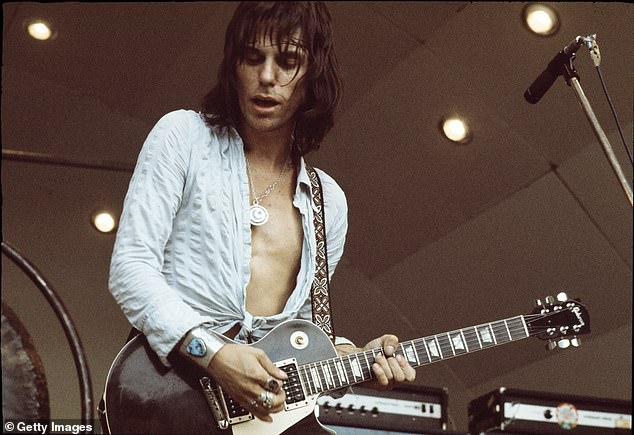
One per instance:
(540,19)
(40,30)
(104,221)
(455,129)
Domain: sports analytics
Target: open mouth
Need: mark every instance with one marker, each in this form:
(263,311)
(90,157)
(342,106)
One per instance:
(264,102)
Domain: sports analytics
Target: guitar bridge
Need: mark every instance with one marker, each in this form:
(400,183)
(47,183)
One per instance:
(225,411)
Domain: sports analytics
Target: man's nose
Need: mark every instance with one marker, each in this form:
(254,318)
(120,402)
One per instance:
(268,73)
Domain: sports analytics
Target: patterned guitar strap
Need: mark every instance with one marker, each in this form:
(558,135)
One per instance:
(320,292)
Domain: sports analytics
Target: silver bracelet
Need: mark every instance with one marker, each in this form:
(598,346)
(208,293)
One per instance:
(200,346)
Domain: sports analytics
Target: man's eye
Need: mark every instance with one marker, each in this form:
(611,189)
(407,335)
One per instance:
(288,60)
(252,60)
(252,57)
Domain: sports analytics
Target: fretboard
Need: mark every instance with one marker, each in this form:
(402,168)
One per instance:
(343,371)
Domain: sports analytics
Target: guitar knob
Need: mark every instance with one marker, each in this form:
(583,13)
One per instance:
(562,297)
(575,341)
(551,345)
(563,343)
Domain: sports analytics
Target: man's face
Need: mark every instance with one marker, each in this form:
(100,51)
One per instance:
(270,84)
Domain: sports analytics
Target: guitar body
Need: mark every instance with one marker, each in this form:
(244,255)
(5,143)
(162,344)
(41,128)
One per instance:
(143,396)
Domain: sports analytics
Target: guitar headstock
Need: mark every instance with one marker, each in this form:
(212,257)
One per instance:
(559,321)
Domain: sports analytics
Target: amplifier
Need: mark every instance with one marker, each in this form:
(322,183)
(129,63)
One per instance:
(406,409)
(531,412)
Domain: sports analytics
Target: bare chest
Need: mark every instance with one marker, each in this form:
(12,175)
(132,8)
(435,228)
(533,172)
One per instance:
(276,250)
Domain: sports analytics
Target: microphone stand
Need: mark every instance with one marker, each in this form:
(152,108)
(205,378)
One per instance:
(572,79)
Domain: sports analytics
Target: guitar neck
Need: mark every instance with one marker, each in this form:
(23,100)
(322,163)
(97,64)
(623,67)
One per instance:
(343,371)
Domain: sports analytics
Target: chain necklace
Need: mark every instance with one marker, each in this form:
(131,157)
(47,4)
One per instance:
(258,214)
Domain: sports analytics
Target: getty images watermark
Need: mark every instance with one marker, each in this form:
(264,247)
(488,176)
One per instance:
(74,427)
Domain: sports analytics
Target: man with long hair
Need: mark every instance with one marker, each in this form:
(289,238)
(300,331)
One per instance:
(217,237)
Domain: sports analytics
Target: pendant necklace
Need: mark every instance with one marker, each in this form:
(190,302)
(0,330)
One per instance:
(258,214)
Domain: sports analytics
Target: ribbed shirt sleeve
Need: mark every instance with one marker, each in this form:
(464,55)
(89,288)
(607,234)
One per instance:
(154,194)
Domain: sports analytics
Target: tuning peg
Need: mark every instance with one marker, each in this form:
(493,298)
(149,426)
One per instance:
(551,345)
(563,343)
(538,302)
(575,341)
(562,297)
(550,300)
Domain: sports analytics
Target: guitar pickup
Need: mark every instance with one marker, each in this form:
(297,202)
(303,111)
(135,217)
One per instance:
(295,396)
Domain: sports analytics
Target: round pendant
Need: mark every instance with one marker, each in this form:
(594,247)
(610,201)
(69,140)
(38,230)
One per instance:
(258,215)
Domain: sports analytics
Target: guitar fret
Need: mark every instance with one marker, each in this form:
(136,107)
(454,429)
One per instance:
(308,381)
(323,380)
(442,355)
(368,365)
(432,349)
(466,344)
(341,371)
(346,366)
(446,351)
(323,377)
(525,326)
(486,336)
(472,332)
(316,380)
(315,374)
(453,349)
(518,328)
(324,371)
(410,353)
(335,374)
(355,367)
(500,332)
(508,331)
(329,379)
(426,349)
(457,342)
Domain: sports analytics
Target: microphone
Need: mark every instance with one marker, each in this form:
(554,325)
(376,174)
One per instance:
(554,69)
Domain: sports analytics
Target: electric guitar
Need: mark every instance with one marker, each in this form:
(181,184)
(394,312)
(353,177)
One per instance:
(143,396)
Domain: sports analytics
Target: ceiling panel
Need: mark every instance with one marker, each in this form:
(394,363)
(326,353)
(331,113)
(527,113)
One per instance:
(406,185)
(115,54)
(497,55)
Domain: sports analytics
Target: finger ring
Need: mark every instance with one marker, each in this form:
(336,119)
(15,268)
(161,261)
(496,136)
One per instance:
(272,384)
(254,404)
(266,399)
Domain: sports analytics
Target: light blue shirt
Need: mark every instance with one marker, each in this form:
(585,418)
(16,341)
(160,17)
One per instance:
(183,248)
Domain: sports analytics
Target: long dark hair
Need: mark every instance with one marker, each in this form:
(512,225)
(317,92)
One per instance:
(315,117)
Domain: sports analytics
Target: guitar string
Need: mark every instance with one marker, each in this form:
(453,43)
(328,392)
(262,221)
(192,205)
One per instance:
(419,346)
(496,327)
